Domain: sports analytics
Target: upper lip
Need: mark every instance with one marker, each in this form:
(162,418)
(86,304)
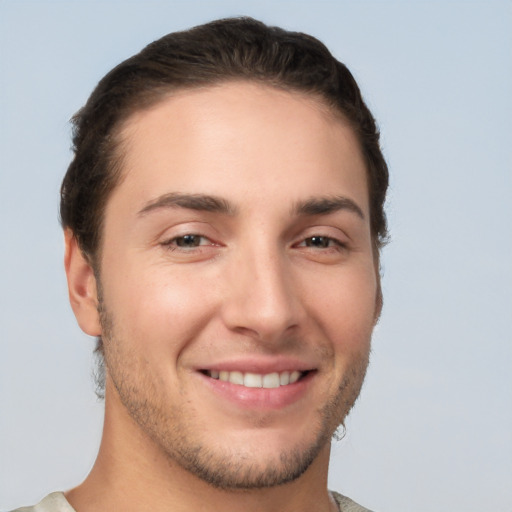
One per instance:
(262,365)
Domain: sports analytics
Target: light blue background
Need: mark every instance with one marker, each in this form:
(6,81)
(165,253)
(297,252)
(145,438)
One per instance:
(433,428)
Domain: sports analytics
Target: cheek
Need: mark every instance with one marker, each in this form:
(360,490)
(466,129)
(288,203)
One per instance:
(157,308)
(346,306)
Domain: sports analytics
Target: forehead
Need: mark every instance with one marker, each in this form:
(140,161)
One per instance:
(238,137)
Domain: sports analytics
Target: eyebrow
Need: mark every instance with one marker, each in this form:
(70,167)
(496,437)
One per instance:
(198,202)
(326,205)
(214,204)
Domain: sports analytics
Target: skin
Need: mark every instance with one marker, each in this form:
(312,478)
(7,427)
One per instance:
(275,272)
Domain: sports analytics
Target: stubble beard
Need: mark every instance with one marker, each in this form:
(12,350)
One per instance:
(227,470)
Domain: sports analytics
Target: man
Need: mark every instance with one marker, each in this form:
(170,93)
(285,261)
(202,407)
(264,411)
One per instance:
(223,217)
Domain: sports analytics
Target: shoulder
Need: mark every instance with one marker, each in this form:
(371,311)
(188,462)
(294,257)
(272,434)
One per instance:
(54,502)
(347,505)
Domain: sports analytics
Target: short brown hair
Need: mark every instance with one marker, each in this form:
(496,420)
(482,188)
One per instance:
(223,50)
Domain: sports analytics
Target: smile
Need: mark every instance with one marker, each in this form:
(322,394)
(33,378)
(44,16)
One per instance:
(257,380)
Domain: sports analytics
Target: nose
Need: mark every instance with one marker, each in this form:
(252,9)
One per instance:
(261,299)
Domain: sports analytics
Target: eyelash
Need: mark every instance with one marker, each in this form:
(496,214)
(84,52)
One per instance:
(326,243)
(324,238)
(173,244)
(333,243)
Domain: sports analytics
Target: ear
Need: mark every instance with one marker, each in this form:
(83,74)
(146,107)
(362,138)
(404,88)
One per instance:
(82,287)
(379,302)
(379,299)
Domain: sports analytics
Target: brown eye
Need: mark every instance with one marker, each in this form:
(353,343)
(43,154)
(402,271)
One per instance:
(320,242)
(190,247)
(188,241)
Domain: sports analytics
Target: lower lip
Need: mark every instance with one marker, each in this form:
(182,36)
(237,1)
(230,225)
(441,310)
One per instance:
(260,398)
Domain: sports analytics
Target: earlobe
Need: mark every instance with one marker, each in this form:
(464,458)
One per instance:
(82,287)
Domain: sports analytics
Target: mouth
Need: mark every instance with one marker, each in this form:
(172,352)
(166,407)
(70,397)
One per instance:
(257,380)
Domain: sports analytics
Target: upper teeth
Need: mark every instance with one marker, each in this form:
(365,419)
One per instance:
(256,380)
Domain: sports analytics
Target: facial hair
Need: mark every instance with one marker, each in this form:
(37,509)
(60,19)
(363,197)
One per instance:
(170,429)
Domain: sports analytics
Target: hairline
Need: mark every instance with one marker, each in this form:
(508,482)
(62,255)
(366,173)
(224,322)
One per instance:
(158,95)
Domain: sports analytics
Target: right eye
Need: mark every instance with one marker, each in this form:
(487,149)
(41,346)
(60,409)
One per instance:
(188,241)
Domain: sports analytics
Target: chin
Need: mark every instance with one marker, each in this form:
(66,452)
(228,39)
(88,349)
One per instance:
(243,469)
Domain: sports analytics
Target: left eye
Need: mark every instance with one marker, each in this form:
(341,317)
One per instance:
(319,242)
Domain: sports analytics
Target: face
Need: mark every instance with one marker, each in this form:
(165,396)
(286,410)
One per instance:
(238,283)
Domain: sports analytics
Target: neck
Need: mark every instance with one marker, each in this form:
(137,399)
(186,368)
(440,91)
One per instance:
(132,474)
